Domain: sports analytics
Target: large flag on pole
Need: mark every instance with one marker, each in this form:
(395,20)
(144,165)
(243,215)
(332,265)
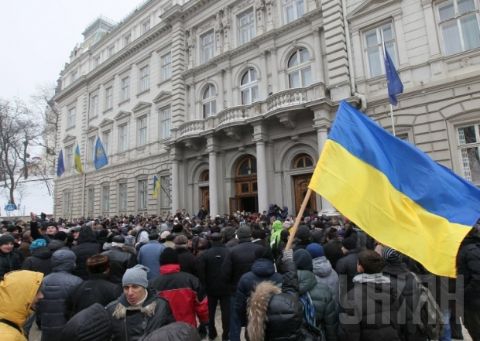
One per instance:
(60,164)
(394,84)
(156,186)
(77,160)
(395,192)
(100,157)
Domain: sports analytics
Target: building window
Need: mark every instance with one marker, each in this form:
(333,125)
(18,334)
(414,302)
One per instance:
(145,25)
(374,42)
(469,143)
(90,149)
(96,61)
(165,118)
(142,194)
(142,131)
(110,50)
(292,10)
(127,38)
(67,203)
(166,66)
(246,27)
(109,98)
(302,161)
(206,46)
(144,79)
(125,89)
(208,101)
(106,141)
(122,138)
(91,202)
(68,157)
(249,87)
(105,199)
(299,69)
(459,24)
(165,201)
(73,76)
(71,117)
(122,197)
(93,105)
(247,166)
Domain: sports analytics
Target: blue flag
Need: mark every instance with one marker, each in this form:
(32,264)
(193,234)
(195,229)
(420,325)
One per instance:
(100,157)
(395,85)
(60,165)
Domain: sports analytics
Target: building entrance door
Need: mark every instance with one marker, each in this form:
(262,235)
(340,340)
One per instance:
(300,185)
(205,198)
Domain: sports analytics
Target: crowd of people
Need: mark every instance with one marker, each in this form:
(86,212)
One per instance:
(162,278)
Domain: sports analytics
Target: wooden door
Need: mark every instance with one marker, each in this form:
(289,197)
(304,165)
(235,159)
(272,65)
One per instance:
(300,185)
(205,198)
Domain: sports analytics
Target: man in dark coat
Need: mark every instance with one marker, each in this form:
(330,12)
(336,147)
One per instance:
(40,257)
(138,311)
(347,265)
(214,270)
(87,246)
(10,259)
(92,323)
(186,259)
(57,287)
(119,259)
(468,265)
(333,247)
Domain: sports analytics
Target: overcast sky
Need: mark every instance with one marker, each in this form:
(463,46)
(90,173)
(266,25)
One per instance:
(37,36)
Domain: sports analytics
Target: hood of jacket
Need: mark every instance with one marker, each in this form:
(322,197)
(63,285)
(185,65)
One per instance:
(306,281)
(17,292)
(263,267)
(257,307)
(63,260)
(322,266)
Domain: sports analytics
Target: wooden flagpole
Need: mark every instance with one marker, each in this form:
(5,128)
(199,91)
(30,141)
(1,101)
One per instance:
(293,231)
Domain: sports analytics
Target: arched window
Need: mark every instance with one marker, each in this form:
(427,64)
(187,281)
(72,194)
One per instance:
(204,176)
(299,69)
(209,101)
(249,86)
(246,166)
(302,161)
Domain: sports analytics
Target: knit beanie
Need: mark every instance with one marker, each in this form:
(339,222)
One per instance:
(303,233)
(391,256)
(168,256)
(38,243)
(6,238)
(136,275)
(244,232)
(303,260)
(315,250)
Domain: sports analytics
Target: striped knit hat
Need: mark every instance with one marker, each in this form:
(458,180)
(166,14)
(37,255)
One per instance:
(391,256)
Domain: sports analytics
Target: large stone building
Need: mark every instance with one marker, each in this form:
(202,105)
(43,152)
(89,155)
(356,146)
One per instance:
(229,102)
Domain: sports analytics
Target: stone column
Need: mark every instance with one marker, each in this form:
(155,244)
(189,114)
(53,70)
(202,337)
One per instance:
(175,193)
(212,176)
(262,186)
(228,101)
(275,70)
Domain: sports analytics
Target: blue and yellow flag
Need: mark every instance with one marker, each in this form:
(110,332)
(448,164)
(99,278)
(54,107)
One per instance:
(156,186)
(394,83)
(60,164)
(395,192)
(77,160)
(100,157)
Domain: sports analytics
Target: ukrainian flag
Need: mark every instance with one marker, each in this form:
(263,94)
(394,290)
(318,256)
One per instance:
(395,192)
(156,186)
(77,160)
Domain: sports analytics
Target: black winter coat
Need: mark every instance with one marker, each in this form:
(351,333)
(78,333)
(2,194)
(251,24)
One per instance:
(39,261)
(187,261)
(243,256)
(131,325)
(262,270)
(214,270)
(120,261)
(468,265)
(87,247)
(333,251)
(92,323)
(347,269)
(9,262)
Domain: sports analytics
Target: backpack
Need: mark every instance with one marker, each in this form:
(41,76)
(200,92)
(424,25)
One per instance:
(309,330)
(430,314)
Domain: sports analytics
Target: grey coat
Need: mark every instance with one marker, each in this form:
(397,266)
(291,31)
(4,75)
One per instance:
(326,275)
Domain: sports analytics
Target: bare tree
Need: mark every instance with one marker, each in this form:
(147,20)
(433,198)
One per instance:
(18,132)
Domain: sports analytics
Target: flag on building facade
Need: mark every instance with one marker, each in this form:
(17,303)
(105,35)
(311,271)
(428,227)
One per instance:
(395,192)
(394,84)
(100,157)
(60,164)
(77,160)
(156,186)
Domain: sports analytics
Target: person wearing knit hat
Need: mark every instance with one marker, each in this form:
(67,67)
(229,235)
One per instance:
(322,268)
(347,265)
(10,259)
(391,256)
(138,311)
(181,289)
(40,257)
(303,260)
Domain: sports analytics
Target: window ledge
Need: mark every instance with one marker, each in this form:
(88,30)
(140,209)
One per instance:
(70,128)
(107,110)
(143,92)
(164,81)
(124,101)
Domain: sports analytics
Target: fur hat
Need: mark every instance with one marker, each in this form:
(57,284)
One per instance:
(136,275)
(97,264)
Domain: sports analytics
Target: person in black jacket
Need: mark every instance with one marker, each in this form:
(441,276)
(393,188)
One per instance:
(92,323)
(468,266)
(186,258)
(119,259)
(214,270)
(10,259)
(40,258)
(87,246)
(346,266)
(97,289)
